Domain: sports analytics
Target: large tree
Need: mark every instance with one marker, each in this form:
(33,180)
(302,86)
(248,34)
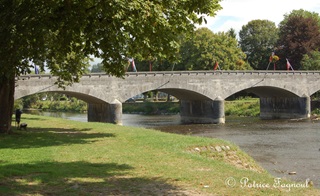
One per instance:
(205,49)
(299,35)
(257,40)
(61,34)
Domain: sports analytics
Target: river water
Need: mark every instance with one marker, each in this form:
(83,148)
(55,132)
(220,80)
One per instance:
(280,146)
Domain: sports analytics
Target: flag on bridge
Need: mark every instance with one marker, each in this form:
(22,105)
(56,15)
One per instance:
(289,65)
(134,66)
(131,62)
(216,65)
(271,57)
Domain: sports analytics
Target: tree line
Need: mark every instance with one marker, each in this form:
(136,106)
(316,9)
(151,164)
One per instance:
(296,39)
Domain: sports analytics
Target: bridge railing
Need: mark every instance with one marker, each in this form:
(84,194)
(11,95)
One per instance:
(166,73)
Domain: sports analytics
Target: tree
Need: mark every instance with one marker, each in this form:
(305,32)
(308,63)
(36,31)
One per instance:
(229,54)
(61,34)
(257,41)
(311,61)
(153,65)
(205,48)
(232,33)
(299,36)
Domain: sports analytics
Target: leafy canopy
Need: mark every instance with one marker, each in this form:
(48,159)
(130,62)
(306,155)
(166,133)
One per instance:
(205,48)
(62,34)
(299,35)
(311,61)
(257,40)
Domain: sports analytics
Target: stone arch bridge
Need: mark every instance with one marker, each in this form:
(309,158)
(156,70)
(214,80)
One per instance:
(283,94)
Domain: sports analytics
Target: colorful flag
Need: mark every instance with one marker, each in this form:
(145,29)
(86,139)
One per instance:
(134,66)
(271,57)
(216,66)
(289,65)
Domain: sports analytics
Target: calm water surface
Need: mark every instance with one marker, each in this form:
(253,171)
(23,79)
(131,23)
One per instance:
(280,146)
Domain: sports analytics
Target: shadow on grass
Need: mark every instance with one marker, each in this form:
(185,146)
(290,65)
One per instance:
(31,118)
(43,137)
(78,178)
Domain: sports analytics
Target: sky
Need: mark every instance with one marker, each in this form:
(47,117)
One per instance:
(236,13)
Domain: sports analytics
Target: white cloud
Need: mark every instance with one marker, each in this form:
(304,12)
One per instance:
(236,13)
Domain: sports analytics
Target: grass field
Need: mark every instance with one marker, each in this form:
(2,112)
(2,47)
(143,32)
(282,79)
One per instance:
(61,157)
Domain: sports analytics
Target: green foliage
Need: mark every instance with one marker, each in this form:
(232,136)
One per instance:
(257,41)
(72,105)
(316,111)
(303,13)
(232,32)
(152,108)
(243,107)
(63,35)
(299,35)
(205,48)
(51,102)
(311,61)
(18,104)
(153,65)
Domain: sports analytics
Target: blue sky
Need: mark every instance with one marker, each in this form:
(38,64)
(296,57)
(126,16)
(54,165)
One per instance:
(236,13)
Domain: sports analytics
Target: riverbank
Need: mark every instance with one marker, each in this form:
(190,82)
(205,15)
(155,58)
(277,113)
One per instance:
(243,107)
(62,157)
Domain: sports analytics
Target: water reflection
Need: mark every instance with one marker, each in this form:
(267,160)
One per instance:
(280,146)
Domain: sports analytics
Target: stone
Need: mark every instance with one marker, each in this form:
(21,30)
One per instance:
(292,173)
(218,148)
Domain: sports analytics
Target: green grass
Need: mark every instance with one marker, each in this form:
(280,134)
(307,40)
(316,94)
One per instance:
(61,157)
(243,107)
(152,107)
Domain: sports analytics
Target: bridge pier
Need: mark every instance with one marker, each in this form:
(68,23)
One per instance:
(202,111)
(105,112)
(284,107)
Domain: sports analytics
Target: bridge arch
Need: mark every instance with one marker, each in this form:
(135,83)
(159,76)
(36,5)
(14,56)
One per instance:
(180,94)
(264,88)
(84,97)
(313,88)
(267,91)
(98,109)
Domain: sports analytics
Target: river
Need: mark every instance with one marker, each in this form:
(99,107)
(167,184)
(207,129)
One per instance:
(280,146)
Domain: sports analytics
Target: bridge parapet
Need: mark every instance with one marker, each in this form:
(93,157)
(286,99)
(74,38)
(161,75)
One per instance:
(183,73)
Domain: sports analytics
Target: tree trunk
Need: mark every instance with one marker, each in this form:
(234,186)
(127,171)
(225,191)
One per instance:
(7,86)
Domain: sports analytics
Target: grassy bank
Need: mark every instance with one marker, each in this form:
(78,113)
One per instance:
(243,107)
(151,107)
(62,157)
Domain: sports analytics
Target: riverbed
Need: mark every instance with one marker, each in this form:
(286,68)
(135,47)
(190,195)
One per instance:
(286,148)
